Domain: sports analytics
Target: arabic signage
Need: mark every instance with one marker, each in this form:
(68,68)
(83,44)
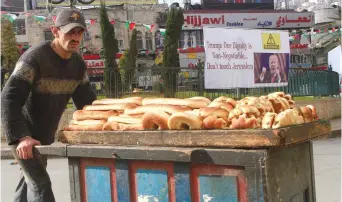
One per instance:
(95,67)
(94,63)
(249,20)
(240,58)
(95,72)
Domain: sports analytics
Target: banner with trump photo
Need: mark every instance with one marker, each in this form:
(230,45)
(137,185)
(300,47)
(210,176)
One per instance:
(243,58)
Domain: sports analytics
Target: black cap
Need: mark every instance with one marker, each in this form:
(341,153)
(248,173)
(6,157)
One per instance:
(69,18)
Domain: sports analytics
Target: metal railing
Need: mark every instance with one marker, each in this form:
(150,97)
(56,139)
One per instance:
(189,82)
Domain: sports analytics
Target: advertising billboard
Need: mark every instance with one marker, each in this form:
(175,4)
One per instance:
(240,58)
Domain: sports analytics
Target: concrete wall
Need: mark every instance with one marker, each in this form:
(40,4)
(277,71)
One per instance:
(327,108)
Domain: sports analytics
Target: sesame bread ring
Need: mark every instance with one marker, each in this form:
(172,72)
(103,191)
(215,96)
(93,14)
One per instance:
(116,107)
(192,103)
(170,109)
(184,120)
(208,111)
(226,99)
(306,113)
(155,120)
(133,115)
(213,122)
(115,126)
(73,127)
(200,98)
(87,122)
(243,122)
(133,100)
(80,115)
(127,120)
(268,119)
(314,112)
(224,105)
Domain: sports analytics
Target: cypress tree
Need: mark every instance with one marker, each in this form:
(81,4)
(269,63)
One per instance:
(9,49)
(175,20)
(112,77)
(131,60)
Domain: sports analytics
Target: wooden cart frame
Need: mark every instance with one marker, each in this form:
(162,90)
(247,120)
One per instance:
(237,165)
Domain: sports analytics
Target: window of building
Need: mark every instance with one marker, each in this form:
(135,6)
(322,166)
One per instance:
(148,37)
(129,15)
(191,38)
(19,27)
(120,43)
(159,40)
(139,41)
(302,59)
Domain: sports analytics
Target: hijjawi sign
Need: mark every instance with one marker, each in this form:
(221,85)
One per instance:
(249,20)
(240,58)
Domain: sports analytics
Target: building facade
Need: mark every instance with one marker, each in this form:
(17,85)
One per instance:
(37,31)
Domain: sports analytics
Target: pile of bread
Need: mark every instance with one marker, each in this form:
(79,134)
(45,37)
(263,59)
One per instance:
(135,113)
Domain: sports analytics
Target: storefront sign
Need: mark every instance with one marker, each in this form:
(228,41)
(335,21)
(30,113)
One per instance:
(249,20)
(94,63)
(95,72)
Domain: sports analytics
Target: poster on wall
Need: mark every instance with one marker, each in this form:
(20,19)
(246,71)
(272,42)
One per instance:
(242,58)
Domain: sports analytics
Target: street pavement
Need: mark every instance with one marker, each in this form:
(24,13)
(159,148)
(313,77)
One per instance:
(327,169)
(57,169)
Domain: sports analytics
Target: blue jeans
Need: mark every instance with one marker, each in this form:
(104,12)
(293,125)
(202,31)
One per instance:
(34,184)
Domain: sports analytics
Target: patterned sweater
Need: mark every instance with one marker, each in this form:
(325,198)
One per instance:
(36,94)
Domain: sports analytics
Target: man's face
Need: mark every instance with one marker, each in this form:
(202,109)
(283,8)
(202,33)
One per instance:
(71,41)
(273,64)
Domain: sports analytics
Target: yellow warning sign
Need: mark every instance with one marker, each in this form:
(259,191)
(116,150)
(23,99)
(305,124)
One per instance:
(271,41)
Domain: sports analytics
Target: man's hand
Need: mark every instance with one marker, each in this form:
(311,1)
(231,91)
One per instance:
(262,74)
(25,146)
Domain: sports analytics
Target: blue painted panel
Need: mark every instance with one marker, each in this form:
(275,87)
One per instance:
(261,192)
(152,185)
(98,184)
(122,181)
(182,182)
(215,188)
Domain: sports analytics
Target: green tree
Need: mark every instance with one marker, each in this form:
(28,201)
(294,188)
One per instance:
(175,20)
(112,76)
(131,60)
(123,63)
(127,62)
(9,49)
